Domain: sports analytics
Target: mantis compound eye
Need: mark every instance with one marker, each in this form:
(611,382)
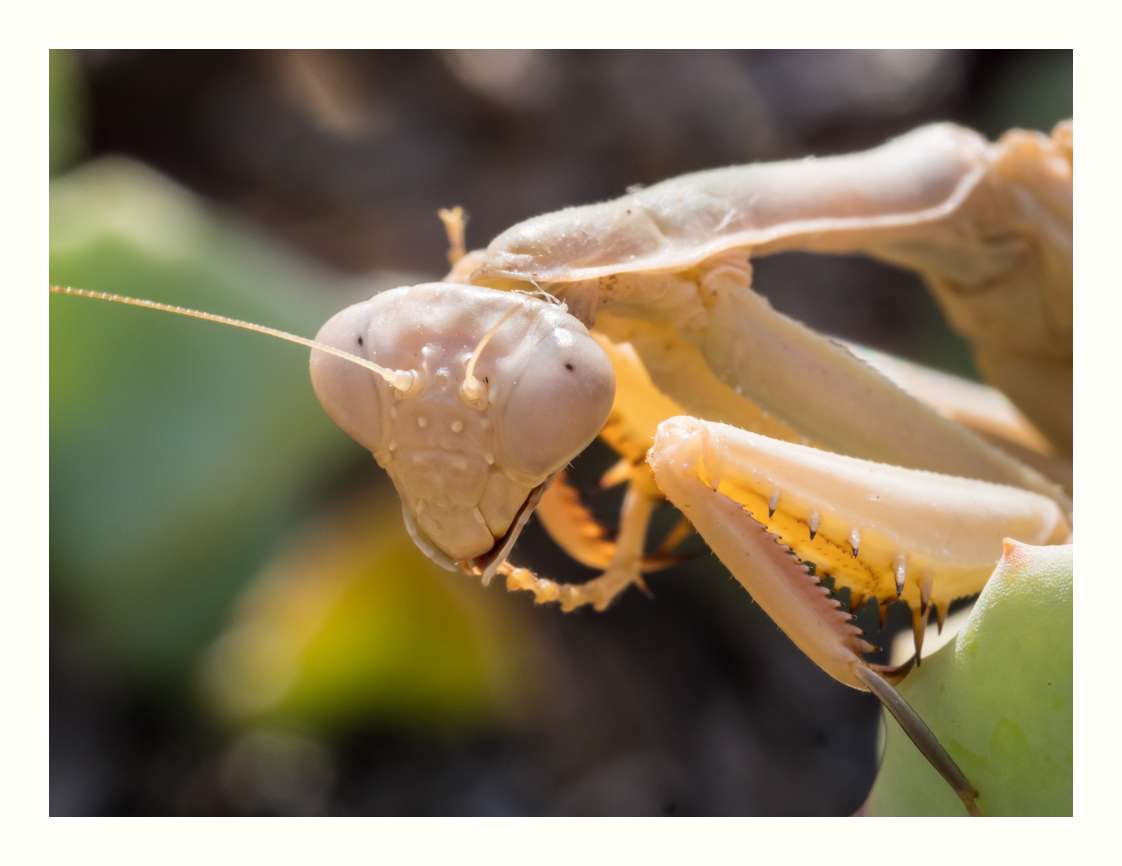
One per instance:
(349,394)
(559,402)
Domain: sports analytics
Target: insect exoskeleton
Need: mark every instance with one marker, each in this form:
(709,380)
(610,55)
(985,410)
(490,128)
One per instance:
(666,269)
(506,389)
(687,220)
(881,531)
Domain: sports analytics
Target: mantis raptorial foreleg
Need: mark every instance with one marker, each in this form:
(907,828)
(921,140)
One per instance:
(980,408)
(577,532)
(623,570)
(923,737)
(797,377)
(882,531)
(983,409)
(571,525)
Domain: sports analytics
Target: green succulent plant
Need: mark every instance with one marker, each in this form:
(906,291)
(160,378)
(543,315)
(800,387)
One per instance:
(999,697)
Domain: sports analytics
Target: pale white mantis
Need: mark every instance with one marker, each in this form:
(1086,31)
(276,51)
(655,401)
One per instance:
(634,320)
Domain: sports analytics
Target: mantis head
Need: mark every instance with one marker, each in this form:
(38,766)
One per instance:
(486,395)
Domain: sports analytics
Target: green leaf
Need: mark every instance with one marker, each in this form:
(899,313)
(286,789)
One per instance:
(180,450)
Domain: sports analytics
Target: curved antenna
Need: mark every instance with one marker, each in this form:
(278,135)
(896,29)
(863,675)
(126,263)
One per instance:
(472,389)
(401,380)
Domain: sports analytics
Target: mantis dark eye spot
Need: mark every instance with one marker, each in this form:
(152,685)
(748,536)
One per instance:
(360,340)
(568,366)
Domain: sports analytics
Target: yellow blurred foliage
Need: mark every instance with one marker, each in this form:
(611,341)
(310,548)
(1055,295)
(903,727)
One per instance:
(350,621)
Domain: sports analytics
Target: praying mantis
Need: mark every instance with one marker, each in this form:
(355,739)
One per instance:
(793,456)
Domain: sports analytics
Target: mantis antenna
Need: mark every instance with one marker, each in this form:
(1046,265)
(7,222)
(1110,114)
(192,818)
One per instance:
(472,389)
(401,380)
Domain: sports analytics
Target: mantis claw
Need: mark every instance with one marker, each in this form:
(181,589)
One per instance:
(599,593)
(623,570)
(572,526)
(919,628)
(856,520)
(923,737)
(577,531)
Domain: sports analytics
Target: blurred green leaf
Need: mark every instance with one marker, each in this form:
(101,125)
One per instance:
(999,698)
(179,450)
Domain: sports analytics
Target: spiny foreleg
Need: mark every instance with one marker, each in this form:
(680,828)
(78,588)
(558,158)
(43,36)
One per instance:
(624,569)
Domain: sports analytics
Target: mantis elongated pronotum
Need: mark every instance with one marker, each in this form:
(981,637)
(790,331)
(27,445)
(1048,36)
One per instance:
(791,455)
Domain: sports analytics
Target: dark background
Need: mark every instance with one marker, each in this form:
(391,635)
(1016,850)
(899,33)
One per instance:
(331,165)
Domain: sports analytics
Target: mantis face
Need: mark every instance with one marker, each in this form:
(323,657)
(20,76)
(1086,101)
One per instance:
(505,389)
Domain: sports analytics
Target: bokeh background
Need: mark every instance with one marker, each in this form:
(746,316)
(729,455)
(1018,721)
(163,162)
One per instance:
(238,623)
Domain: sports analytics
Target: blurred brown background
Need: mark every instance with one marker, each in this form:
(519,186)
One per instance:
(238,626)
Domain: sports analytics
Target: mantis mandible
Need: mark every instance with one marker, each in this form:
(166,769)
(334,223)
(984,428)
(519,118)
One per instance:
(793,456)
